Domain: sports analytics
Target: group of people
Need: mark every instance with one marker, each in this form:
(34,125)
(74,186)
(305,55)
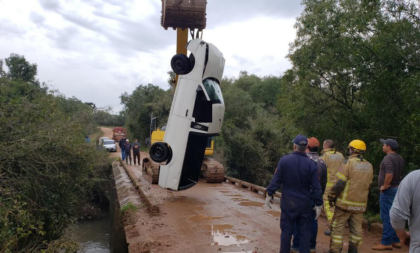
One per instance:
(127,148)
(310,182)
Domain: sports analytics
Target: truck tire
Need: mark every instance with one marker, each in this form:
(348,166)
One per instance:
(181,64)
(159,152)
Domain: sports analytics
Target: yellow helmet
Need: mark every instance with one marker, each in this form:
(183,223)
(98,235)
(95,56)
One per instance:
(358,145)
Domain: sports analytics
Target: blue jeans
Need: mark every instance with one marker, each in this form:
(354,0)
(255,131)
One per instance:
(314,234)
(123,154)
(386,199)
(287,224)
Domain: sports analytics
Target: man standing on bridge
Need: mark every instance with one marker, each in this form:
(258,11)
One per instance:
(122,144)
(136,152)
(333,160)
(127,151)
(312,152)
(390,174)
(297,174)
(349,196)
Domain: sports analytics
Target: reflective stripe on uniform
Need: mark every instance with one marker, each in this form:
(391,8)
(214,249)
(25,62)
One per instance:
(341,176)
(356,239)
(361,204)
(330,184)
(328,212)
(337,239)
(346,190)
(334,223)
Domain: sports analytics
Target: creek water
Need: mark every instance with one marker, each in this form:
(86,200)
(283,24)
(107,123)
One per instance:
(92,236)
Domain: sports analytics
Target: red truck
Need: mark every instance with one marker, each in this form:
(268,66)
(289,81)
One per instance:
(118,133)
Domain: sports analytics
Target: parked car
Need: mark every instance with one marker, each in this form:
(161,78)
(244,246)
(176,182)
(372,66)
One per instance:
(196,114)
(109,145)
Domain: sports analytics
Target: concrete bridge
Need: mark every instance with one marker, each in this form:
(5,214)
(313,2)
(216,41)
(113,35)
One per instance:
(227,217)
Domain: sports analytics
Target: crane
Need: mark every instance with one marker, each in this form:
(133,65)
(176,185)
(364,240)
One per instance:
(177,153)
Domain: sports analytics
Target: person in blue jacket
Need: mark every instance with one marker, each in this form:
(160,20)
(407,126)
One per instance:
(297,175)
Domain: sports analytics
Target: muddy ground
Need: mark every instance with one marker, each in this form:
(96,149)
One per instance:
(214,218)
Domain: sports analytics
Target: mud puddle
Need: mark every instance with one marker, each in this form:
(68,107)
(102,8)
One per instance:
(237,251)
(240,199)
(223,237)
(274,213)
(251,203)
(200,218)
(234,195)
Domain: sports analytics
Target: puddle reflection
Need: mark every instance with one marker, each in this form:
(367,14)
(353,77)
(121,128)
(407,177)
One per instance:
(223,237)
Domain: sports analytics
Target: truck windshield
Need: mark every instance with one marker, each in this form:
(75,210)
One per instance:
(213,90)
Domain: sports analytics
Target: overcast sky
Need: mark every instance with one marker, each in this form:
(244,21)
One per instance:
(95,50)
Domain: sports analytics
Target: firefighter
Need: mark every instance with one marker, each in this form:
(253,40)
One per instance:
(349,196)
(298,175)
(333,159)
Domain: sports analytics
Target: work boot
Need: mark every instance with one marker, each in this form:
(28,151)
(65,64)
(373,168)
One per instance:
(352,248)
(382,247)
(327,232)
(397,245)
(293,250)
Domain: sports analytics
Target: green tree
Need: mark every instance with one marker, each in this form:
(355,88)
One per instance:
(254,135)
(104,117)
(355,75)
(20,68)
(139,106)
(46,168)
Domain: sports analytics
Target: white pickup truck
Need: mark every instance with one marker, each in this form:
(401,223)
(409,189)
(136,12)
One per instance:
(196,113)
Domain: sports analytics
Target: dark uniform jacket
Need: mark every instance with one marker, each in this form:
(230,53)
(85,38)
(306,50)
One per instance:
(298,175)
(122,143)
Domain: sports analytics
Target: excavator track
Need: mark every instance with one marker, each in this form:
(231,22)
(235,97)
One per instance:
(212,171)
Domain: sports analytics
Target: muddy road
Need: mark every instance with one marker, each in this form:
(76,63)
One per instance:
(214,218)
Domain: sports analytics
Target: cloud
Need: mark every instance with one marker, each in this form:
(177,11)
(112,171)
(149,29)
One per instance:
(51,5)
(124,34)
(8,28)
(65,38)
(222,12)
(37,18)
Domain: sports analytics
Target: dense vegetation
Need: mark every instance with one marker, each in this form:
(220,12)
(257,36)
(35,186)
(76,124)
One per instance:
(355,75)
(47,170)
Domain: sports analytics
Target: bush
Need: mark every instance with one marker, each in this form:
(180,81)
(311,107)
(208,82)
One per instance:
(46,167)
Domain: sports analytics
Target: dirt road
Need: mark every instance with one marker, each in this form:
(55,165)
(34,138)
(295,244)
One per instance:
(214,218)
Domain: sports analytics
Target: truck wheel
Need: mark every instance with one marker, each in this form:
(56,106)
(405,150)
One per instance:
(159,152)
(181,64)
